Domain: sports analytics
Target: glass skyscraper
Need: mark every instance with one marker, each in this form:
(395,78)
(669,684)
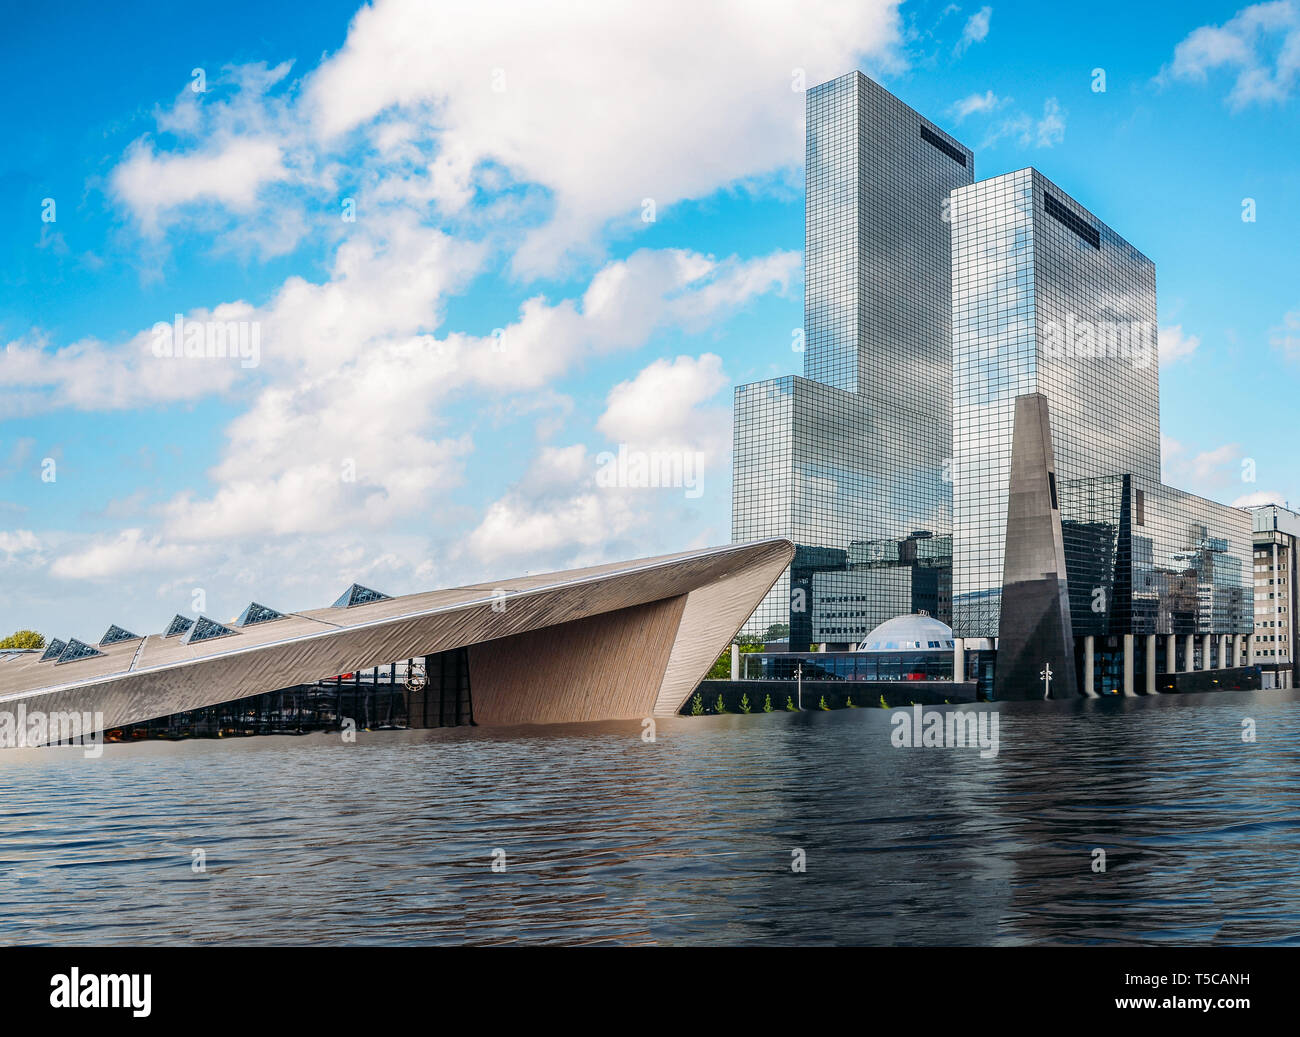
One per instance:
(852,461)
(1047,299)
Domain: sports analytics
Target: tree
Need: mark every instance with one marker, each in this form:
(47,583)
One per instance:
(721,670)
(23,639)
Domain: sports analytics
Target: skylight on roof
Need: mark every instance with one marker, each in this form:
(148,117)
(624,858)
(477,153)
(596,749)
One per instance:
(178,625)
(115,634)
(358,595)
(76,650)
(53,650)
(256,613)
(205,629)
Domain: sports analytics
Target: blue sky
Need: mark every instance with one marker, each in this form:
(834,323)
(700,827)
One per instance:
(437,378)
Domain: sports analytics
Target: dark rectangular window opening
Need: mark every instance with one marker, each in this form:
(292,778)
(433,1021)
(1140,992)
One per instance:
(1057,210)
(1141,508)
(1051,486)
(933,138)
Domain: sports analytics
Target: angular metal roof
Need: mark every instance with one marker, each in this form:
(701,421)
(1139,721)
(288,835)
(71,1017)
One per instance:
(158,675)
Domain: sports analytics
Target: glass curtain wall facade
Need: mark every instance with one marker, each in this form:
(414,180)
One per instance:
(852,460)
(1048,299)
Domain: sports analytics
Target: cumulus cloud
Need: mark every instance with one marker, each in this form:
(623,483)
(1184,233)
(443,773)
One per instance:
(18,542)
(130,550)
(663,408)
(1260,44)
(690,100)
(1175,344)
(565,510)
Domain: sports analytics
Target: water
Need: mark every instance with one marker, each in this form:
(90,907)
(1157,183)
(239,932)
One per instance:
(688,840)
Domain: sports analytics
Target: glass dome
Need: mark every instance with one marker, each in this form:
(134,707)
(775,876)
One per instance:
(912,633)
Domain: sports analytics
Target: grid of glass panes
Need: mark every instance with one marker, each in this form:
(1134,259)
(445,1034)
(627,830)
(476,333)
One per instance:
(1056,302)
(869,441)
(994,361)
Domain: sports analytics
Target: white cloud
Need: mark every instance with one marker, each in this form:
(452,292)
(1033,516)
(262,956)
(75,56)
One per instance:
(617,107)
(1175,344)
(662,408)
(976,30)
(1260,43)
(17,543)
(1259,498)
(230,151)
(129,551)
(975,103)
(1204,472)
(562,512)
(1286,337)
(557,515)
(1043,132)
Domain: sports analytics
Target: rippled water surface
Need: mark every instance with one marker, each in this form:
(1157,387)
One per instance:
(688,840)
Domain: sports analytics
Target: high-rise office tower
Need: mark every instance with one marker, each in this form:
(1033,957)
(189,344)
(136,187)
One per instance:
(1049,301)
(852,461)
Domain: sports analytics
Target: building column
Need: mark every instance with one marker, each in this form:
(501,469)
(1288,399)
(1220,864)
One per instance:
(1128,666)
(1238,651)
(1205,652)
(1171,654)
(1189,663)
(1151,664)
(735,662)
(1090,666)
(959,659)
(1250,649)
(1223,652)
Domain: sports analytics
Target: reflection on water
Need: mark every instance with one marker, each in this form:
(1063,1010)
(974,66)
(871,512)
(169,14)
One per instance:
(685,841)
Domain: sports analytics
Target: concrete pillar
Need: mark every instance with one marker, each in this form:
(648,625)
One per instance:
(1205,652)
(1151,664)
(1090,666)
(1238,651)
(959,659)
(1223,652)
(1250,649)
(1189,663)
(1171,654)
(1128,666)
(735,662)
(821,647)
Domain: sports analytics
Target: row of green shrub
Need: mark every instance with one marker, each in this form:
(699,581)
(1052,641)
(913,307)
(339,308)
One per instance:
(698,708)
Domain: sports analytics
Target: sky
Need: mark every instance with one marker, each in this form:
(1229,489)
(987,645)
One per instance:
(471,251)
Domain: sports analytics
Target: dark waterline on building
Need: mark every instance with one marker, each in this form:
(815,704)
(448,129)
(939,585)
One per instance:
(685,841)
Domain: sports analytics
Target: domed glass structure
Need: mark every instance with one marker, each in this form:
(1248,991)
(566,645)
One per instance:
(917,632)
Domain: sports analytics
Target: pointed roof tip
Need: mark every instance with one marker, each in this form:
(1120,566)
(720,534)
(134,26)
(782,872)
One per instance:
(178,625)
(205,629)
(76,650)
(53,650)
(358,595)
(256,613)
(115,635)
